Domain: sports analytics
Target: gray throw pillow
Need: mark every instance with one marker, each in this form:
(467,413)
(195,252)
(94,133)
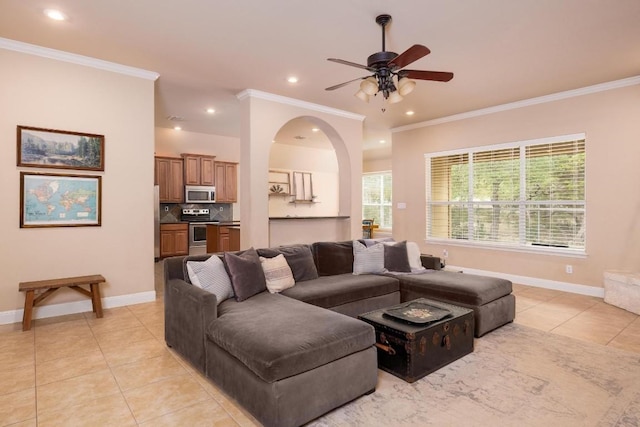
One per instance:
(211,276)
(246,274)
(298,257)
(396,258)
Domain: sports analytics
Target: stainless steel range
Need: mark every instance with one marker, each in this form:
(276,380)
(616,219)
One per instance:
(198,220)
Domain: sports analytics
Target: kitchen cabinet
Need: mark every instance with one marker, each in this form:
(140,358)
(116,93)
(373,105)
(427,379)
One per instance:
(174,239)
(169,178)
(223,238)
(198,169)
(226,181)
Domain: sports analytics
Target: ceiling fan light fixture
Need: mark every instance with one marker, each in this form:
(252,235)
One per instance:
(369,86)
(362,96)
(406,86)
(394,97)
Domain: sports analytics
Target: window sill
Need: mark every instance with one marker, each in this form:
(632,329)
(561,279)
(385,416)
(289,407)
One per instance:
(539,250)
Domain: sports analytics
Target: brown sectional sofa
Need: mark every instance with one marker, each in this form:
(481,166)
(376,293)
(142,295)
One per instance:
(291,357)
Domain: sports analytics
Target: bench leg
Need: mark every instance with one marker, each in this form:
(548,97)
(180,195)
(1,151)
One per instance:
(28,308)
(96,300)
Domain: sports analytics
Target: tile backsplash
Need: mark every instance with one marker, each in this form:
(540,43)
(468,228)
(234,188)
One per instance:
(171,212)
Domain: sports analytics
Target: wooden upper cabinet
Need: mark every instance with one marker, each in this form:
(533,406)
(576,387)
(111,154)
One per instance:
(169,178)
(226,179)
(198,169)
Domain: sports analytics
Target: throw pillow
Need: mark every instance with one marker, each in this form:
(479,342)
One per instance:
(413,253)
(277,273)
(245,272)
(211,276)
(299,258)
(396,258)
(368,259)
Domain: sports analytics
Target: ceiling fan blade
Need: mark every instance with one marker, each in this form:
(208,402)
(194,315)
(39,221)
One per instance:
(352,64)
(410,55)
(344,84)
(439,76)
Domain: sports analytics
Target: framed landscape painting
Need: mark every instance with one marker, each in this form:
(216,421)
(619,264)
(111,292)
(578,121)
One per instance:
(50,148)
(52,200)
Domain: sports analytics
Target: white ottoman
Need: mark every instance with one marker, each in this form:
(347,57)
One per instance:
(622,289)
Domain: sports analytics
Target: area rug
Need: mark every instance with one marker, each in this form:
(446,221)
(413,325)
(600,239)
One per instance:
(516,376)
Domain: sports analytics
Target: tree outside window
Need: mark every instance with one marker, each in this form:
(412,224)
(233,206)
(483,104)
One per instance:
(376,198)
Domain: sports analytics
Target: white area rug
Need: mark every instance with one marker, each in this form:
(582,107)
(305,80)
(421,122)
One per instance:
(516,376)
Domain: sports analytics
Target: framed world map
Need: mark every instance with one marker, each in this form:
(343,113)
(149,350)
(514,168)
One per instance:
(56,200)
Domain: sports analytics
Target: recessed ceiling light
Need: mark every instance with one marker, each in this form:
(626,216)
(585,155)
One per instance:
(55,14)
(292,79)
(409,113)
(177,128)
(382,141)
(210,110)
(315,130)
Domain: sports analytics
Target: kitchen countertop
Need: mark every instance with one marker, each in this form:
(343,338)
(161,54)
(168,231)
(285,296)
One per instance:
(308,217)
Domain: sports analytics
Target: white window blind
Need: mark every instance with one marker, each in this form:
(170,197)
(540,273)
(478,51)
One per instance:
(528,194)
(376,198)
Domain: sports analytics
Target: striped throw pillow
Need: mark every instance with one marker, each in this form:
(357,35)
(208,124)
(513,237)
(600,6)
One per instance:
(211,276)
(368,259)
(278,273)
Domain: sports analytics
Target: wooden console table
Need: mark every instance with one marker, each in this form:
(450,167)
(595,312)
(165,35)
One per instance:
(50,286)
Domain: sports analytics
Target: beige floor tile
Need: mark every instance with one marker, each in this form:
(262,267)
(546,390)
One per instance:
(63,394)
(105,411)
(147,371)
(203,414)
(613,319)
(542,318)
(114,318)
(164,397)
(587,330)
(13,327)
(14,379)
(155,307)
(157,330)
(69,367)
(110,337)
(17,355)
(121,354)
(28,423)
(17,407)
(151,318)
(541,294)
(66,321)
(78,331)
(65,348)
(10,339)
(628,339)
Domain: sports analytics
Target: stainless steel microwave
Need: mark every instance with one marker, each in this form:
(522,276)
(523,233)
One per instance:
(199,194)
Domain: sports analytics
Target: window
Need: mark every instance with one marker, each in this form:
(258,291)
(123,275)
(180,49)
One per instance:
(524,195)
(376,198)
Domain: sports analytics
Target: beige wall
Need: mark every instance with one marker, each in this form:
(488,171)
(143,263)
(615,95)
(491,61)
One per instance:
(262,117)
(610,121)
(170,142)
(47,93)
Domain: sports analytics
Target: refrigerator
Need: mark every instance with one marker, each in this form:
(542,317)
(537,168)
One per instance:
(156,221)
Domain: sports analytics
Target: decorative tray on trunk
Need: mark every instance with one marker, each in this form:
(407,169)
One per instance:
(417,312)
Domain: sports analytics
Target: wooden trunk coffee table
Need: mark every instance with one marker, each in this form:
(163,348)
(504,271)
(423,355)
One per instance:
(412,350)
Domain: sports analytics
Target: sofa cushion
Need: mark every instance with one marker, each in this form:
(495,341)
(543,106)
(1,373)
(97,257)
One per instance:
(332,291)
(456,287)
(368,259)
(277,273)
(211,276)
(278,337)
(298,257)
(333,257)
(396,258)
(245,272)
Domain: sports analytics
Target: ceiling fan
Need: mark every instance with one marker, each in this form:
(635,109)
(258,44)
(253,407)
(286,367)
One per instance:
(389,77)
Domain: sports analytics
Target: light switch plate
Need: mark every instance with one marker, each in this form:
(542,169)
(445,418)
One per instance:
(402,205)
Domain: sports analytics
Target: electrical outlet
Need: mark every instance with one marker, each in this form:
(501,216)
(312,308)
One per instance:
(166,208)
(445,253)
(568,269)
(221,208)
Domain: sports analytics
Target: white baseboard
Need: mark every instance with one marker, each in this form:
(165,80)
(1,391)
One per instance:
(44,311)
(537,282)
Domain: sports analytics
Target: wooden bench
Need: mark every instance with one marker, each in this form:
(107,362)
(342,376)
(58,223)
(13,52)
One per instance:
(50,286)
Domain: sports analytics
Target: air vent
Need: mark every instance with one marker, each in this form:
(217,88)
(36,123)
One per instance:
(175,118)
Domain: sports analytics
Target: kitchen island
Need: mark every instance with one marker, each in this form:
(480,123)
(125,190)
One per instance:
(224,236)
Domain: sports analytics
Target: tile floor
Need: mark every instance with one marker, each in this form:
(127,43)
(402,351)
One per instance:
(78,370)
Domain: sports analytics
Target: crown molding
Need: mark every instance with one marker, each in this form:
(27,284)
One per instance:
(73,58)
(524,103)
(252,93)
